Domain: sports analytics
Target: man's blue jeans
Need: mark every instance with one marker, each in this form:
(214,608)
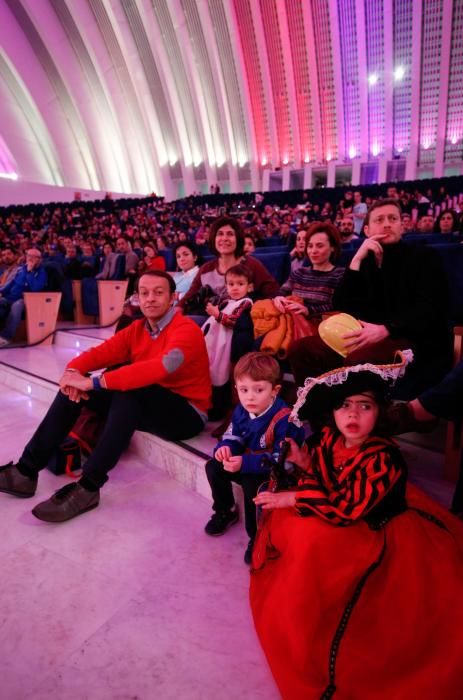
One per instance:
(13,312)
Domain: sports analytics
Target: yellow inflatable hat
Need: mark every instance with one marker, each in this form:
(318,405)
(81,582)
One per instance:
(332,330)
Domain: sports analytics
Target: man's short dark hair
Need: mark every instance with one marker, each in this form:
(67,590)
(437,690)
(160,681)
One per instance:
(389,201)
(159,273)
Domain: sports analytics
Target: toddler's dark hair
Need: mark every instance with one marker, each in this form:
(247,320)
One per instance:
(240,270)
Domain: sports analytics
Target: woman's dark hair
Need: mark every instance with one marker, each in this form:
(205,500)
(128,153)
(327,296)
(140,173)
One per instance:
(191,246)
(454,215)
(332,234)
(235,225)
(152,245)
(158,273)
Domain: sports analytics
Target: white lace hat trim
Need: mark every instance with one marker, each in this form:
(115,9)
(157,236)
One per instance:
(390,373)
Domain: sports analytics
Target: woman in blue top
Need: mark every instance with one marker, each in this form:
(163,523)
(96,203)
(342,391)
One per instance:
(188,261)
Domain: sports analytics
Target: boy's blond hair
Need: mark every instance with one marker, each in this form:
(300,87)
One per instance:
(259,366)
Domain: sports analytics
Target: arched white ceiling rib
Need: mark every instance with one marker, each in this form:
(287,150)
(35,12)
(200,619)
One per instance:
(34,152)
(229,85)
(71,114)
(299,78)
(111,146)
(325,76)
(204,38)
(266,92)
(363,84)
(285,128)
(335,37)
(199,74)
(172,95)
(167,134)
(137,135)
(246,113)
(319,154)
(287,68)
(444,88)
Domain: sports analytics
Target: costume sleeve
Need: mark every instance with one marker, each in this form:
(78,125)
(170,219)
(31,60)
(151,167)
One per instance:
(253,462)
(232,438)
(354,497)
(229,320)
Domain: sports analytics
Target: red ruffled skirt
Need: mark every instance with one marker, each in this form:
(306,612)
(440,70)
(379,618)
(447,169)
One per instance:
(360,614)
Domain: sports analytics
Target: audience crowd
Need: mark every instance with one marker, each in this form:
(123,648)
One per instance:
(81,236)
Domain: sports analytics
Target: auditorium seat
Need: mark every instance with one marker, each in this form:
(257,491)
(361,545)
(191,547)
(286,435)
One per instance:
(41,316)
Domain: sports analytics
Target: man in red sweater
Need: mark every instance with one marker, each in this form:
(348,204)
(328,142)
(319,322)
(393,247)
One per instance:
(163,387)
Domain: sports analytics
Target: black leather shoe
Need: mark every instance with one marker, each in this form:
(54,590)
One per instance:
(67,503)
(15,483)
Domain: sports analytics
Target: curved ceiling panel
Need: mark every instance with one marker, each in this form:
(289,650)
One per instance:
(22,123)
(173,96)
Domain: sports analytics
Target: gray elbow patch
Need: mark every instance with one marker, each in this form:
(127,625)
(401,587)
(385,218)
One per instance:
(173,360)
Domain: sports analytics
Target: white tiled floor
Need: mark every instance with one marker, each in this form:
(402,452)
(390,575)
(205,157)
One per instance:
(131,600)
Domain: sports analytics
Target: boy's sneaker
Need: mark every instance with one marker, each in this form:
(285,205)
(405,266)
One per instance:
(248,553)
(221,522)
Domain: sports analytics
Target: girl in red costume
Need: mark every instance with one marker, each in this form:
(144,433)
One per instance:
(356,587)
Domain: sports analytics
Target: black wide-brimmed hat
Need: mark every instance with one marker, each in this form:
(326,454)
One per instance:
(321,395)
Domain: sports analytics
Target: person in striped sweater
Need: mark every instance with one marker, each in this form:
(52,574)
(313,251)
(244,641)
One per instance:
(316,280)
(356,575)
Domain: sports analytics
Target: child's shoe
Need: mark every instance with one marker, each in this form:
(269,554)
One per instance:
(221,522)
(248,553)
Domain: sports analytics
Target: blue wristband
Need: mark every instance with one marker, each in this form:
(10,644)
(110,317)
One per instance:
(96,384)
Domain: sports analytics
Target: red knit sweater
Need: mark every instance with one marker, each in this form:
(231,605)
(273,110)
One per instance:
(150,362)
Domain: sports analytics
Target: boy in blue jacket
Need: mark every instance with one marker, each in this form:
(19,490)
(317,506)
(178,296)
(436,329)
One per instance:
(259,425)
